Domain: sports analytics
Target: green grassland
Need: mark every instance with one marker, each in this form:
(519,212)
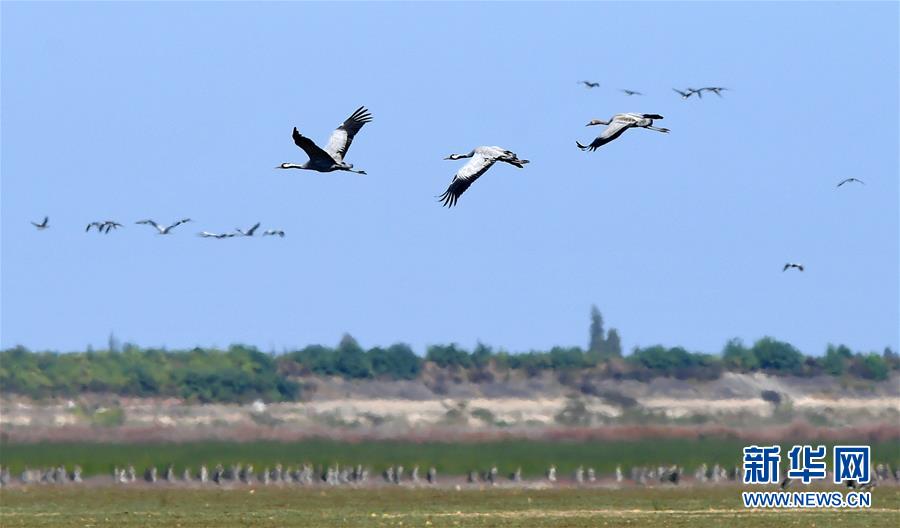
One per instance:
(533,456)
(89,507)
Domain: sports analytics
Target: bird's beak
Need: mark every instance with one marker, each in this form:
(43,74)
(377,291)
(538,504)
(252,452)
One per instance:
(590,124)
(279,167)
(448,158)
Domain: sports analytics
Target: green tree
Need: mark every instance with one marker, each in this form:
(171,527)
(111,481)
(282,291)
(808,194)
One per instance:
(481,356)
(836,358)
(871,366)
(777,356)
(738,357)
(598,335)
(613,343)
(351,360)
(397,362)
(448,356)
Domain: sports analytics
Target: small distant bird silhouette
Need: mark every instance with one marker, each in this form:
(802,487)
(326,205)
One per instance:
(248,232)
(687,94)
(617,125)
(103,227)
(164,230)
(630,92)
(331,158)
(848,180)
(43,225)
(714,89)
(483,158)
(207,234)
(589,84)
(276,232)
(110,224)
(790,265)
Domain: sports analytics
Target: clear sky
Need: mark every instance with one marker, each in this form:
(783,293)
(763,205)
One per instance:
(166,110)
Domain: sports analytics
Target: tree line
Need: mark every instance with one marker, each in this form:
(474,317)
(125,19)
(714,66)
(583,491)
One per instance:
(242,373)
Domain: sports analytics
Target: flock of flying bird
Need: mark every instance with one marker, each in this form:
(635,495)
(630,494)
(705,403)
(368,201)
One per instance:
(108,225)
(331,158)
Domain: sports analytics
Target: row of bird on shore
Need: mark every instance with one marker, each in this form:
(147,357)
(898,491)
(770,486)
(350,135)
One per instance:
(307,474)
(106,226)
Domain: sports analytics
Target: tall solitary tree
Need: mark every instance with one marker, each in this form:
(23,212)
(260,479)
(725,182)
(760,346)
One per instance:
(598,335)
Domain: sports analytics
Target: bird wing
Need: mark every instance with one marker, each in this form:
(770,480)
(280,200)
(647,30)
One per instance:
(465,177)
(843,182)
(342,137)
(501,154)
(613,131)
(178,223)
(253,229)
(652,116)
(312,150)
(150,222)
(786,266)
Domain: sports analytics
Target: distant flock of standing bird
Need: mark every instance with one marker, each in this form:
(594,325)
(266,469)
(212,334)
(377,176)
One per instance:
(331,158)
(336,474)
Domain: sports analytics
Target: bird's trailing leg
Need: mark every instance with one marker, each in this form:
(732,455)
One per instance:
(659,129)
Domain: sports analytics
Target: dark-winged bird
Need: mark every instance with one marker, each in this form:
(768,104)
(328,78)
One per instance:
(248,232)
(790,265)
(714,89)
(589,84)
(43,225)
(207,234)
(331,158)
(483,158)
(687,94)
(618,124)
(164,230)
(848,180)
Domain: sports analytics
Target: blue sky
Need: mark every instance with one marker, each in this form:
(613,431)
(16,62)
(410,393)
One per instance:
(166,110)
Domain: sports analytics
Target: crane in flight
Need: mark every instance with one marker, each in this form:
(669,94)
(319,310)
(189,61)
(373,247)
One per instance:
(207,234)
(686,94)
(164,230)
(248,232)
(482,159)
(43,225)
(331,158)
(849,180)
(617,125)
